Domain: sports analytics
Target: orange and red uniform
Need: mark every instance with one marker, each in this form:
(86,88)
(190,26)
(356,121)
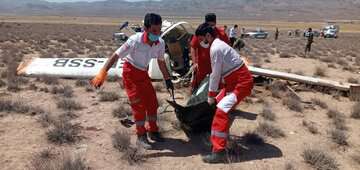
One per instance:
(204,64)
(137,54)
(231,76)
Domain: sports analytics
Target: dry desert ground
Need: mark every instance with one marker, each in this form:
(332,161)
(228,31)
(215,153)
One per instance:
(50,123)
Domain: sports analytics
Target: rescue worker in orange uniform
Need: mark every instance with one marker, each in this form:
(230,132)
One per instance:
(200,53)
(231,75)
(137,52)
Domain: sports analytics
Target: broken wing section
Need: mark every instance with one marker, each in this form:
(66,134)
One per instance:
(67,67)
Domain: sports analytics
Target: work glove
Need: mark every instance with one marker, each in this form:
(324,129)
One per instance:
(99,79)
(211,101)
(169,84)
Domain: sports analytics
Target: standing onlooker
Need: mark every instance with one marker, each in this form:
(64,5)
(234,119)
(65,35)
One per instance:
(276,33)
(242,32)
(233,35)
(226,30)
(310,39)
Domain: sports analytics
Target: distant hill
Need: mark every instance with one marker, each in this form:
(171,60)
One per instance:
(240,9)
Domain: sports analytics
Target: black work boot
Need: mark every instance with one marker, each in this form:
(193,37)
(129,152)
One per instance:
(156,136)
(143,142)
(216,157)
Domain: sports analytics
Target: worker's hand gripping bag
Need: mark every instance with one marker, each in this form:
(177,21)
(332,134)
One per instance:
(196,117)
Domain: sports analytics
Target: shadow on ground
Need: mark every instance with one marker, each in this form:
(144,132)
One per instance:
(239,151)
(238,114)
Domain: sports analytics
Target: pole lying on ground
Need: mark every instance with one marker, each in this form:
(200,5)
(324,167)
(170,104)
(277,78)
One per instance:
(352,89)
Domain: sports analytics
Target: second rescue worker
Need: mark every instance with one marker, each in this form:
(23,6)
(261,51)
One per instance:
(200,52)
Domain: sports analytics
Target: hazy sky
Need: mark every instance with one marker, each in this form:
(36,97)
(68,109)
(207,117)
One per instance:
(80,0)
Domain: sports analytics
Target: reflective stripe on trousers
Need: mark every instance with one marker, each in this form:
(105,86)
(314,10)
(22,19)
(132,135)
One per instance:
(219,134)
(142,97)
(237,86)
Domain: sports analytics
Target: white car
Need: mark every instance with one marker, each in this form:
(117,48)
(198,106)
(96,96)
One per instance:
(330,33)
(259,34)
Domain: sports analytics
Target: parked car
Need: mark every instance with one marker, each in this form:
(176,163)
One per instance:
(330,33)
(258,34)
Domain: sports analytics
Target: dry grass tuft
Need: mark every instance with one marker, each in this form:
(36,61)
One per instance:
(342,62)
(293,103)
(320,71)
(81,83)
(63,131)
(328,59)
(121,142)
(339,137)
(133,156)
(109,96)
(338,119)
(46,154)
(268,129)
(60,162)
(289,166)
(2,83)
(320,103)
(356,157)
(68,104)
(353,80)
(332,113)
(319,159)
(267,113)
(44,89)
(331,65)
(49,80)
(355,113)
(357,61)
(33,87)
(285,55)
(66,91)
(89,89)
(13,85)
(339,123)
(121,111)
(46,119)
(18,107)
(311,126)
(278,88)
(76,163)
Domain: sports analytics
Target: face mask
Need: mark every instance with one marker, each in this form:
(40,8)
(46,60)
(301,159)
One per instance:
(204,44)
(153,37)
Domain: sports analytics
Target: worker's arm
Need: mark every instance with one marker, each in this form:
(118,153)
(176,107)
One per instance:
(215,76)
(110,62)
(163,68)
(194,56)
(194,44)
(124,50)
